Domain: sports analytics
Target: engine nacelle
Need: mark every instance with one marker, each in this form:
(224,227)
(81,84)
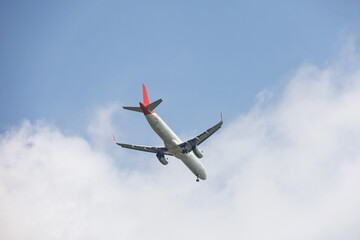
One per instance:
(197,152)
(162,159)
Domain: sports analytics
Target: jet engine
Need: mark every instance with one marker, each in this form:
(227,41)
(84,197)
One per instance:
(197,152)
(162,159)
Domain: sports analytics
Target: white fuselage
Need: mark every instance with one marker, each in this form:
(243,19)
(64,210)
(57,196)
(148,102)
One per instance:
(171,141)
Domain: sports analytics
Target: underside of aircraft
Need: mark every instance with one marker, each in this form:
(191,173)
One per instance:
(188,151)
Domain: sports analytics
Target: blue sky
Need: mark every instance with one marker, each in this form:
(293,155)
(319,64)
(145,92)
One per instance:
(62,59)
(284,165)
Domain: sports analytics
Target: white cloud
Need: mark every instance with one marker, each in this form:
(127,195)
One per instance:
(100,127)
(288,169)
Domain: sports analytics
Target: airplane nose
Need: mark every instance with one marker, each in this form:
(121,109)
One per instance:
(202,174)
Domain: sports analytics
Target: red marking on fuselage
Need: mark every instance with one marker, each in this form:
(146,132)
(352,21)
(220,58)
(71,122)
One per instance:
(144,109)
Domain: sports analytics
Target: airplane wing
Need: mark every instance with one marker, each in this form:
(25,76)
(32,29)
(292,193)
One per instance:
(145,148)
(189,145)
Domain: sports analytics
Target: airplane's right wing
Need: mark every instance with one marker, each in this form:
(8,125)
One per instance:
(146,149)
(196,141)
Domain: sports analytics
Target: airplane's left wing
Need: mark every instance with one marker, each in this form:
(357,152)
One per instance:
(146,149)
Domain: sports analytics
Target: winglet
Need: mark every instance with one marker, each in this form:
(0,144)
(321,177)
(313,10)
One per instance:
(114,137)
(221,116)
(145,96)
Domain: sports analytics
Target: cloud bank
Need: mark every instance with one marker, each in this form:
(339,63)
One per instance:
(288,169)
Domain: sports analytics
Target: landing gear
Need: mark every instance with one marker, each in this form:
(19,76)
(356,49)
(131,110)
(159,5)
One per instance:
(197,178)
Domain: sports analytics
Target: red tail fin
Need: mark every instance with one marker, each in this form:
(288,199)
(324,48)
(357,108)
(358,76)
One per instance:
(145,96)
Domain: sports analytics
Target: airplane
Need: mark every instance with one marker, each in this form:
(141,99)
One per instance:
(188,152)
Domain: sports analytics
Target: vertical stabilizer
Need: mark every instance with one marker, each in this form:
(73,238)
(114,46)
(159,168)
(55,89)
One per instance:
(145,96)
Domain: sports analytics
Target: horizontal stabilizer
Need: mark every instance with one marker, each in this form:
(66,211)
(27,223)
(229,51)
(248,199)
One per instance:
(153,105)
(136,109)
(150,107)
